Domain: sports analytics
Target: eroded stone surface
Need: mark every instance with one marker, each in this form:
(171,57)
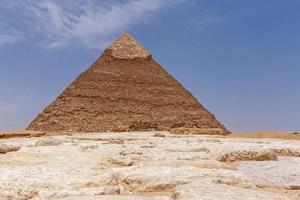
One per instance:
(5,148)
(200,191)
(114,197)
(48,142)
(144,165)
(257,155)
(282,173)
(157,178)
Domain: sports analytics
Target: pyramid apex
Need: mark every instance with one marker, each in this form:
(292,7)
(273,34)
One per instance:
(125,34)
(126,47)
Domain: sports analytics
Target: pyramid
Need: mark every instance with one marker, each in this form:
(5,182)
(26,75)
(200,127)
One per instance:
(125,90)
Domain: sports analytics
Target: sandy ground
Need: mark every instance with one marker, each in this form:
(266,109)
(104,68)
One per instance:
(147,165)
(292,135)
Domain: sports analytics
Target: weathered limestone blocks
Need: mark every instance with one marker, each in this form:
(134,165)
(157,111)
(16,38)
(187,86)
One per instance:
(242,155)
(144,166)
(48,142)
(9,147)
(284,173)
(159,179)
(207,191)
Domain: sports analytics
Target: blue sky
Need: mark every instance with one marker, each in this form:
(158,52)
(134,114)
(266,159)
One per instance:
(239,58)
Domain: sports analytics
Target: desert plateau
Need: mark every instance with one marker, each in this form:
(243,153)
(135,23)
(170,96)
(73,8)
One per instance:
(147,165)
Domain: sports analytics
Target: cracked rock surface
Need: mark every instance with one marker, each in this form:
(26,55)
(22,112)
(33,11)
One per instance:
(148,166)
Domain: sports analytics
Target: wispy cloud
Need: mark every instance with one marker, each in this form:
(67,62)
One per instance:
(87,23)
(8,34)
(203,22)
(8,39)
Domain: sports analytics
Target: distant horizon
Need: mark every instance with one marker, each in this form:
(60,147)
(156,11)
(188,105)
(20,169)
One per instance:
(239,59)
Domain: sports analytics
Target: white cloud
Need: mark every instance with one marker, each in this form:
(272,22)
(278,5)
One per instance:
(86,23)
(8,39)
(7,34)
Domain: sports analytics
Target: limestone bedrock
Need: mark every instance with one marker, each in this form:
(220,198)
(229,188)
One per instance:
(146,166)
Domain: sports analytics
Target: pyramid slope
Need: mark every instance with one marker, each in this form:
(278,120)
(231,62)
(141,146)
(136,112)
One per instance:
(125,89)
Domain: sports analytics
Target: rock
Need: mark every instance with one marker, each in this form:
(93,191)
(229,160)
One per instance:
(287,152)
(184,166)
(206,164)
(198,131)
(122,160)
(18,194)
(111,190)
(100,190)
(5,148)
(159,134)
(207,191)
(85,147)
(20,133)
(284,173)
(187,149)
(211,164)
(48,142)
(148,146)
(117,197)
(114,142)
(242,155)
(130,152)
(161,179)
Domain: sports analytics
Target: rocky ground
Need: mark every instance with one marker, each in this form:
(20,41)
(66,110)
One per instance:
(148,166)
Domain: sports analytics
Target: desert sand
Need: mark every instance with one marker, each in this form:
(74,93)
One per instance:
(147,165)
(292,135)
